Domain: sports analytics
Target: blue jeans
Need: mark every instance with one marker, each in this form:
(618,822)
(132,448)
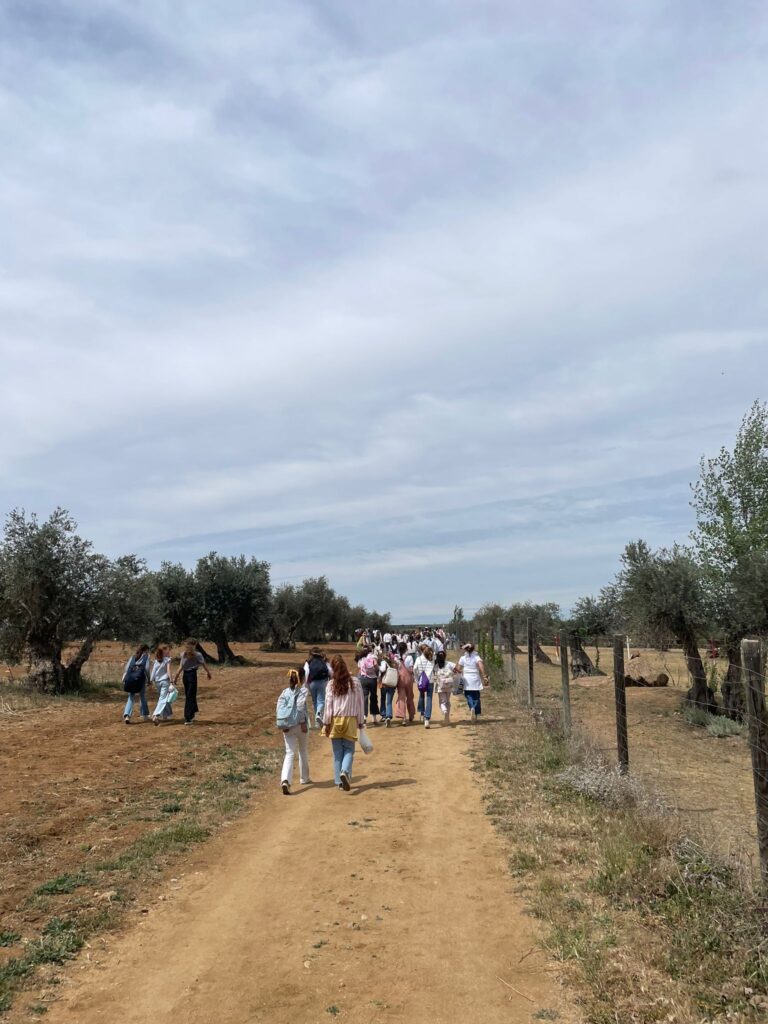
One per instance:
(387,693)
(425,703)
(317,689)
(128,709)
(343,754)
(473,700)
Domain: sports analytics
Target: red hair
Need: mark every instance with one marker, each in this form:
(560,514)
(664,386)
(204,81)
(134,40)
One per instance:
(342,680)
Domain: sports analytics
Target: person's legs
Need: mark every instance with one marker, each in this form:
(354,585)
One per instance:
(473,701)
(144,705)
(338,753)
(301,739)
(128,709)
(410,703)
(386,703)
(374,697)
(348,754)
(290,751)
(190,698)
(162,702)
(401,703)
(317,689)
(366,695)
(428,703)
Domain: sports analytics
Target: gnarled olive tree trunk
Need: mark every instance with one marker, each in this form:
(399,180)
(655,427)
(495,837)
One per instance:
(47,672)
(733,687)
(581,663)
(699,693)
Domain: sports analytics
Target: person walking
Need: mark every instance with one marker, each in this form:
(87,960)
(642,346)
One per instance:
(388,675)
(161,677)
(369,679)
(343,715)
(189,665)
(136,674)
(317,672)
(475,678)
(293,721)
(423,668)
(443,677)
(405,708)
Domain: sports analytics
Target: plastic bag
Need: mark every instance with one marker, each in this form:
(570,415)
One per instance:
(366,743)
(173,695)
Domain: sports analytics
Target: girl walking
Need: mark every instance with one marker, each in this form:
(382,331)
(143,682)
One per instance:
(317,672)
(161,677)
(444,682)
(405,709)
(423,667)
(136,672)
(344,714)
(475,678)
(190,664)
(369,679)
(389,678)
(293,720)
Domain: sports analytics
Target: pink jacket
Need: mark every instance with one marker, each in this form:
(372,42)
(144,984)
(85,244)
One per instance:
(348,705)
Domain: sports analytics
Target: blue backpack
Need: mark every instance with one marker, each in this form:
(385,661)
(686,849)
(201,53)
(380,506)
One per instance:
(288,713)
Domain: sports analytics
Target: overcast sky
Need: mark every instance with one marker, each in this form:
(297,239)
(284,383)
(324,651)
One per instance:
(443,300)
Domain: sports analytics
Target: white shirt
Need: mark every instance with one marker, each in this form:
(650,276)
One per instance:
(469,669)
(423,664)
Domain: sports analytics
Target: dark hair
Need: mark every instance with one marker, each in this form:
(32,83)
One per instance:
(440,659)
(302,673)
(142,648)
(402,647)
(342,680)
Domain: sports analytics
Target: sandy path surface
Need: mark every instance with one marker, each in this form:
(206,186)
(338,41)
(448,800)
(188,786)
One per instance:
(389,903)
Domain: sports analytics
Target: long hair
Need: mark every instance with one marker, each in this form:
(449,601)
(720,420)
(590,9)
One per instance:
(342,680)
(440,659)
(160,652)
(293,679)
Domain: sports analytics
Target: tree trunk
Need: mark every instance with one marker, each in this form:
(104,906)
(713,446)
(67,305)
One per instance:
(45,672)
(699,693)
(73,678)
(733,686)
(226,655)
(207,658)
(581,663)
(540,654)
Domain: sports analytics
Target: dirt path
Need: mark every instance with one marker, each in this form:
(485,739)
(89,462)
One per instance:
(390,903)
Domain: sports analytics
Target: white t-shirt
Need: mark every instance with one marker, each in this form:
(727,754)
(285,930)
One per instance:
(469,669)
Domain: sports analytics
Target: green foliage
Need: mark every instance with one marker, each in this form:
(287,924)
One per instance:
(63,884)
(9,938)
(234,595)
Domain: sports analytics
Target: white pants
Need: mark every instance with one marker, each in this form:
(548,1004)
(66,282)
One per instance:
(444,696)
(295,738)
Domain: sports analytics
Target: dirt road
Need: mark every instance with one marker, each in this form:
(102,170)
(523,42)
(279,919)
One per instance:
(389,903)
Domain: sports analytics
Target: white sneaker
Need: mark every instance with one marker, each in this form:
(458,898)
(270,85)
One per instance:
(426,723)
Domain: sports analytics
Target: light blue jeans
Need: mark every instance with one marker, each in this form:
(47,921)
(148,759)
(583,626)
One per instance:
(387,693)
(317,689)
(163,709)
(128,709)
(343,754)
(425,703)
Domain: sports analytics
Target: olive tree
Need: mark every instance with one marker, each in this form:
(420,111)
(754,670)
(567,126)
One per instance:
(56,592)
(234,595)
(730,500)
(662,592)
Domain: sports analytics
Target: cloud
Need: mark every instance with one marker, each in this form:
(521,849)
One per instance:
(443,305)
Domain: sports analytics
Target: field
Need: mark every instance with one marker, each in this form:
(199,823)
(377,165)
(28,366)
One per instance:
(705,780)
(118,841)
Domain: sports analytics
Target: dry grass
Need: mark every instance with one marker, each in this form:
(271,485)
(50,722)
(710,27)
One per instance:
(647,924)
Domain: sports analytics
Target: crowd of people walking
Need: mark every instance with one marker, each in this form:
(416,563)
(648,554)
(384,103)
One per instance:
(390,667)
(323,694)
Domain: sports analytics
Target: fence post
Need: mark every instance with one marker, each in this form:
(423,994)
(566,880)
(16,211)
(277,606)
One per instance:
(512,658)
(620,688)
(566,681)
(752,664)
(529,632)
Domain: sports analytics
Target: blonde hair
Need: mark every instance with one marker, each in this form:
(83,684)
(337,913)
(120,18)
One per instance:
(293,679)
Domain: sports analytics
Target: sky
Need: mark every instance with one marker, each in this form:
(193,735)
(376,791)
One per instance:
(444,301)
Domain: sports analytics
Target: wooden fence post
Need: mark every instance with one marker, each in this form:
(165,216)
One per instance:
(620,688)
(752,664)
(566,681)
(529,631)
(512,658)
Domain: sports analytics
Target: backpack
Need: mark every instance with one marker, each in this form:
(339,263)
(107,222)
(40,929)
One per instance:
(317,669)
(424,683)
(370,667)
(136,676)
(287,709)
